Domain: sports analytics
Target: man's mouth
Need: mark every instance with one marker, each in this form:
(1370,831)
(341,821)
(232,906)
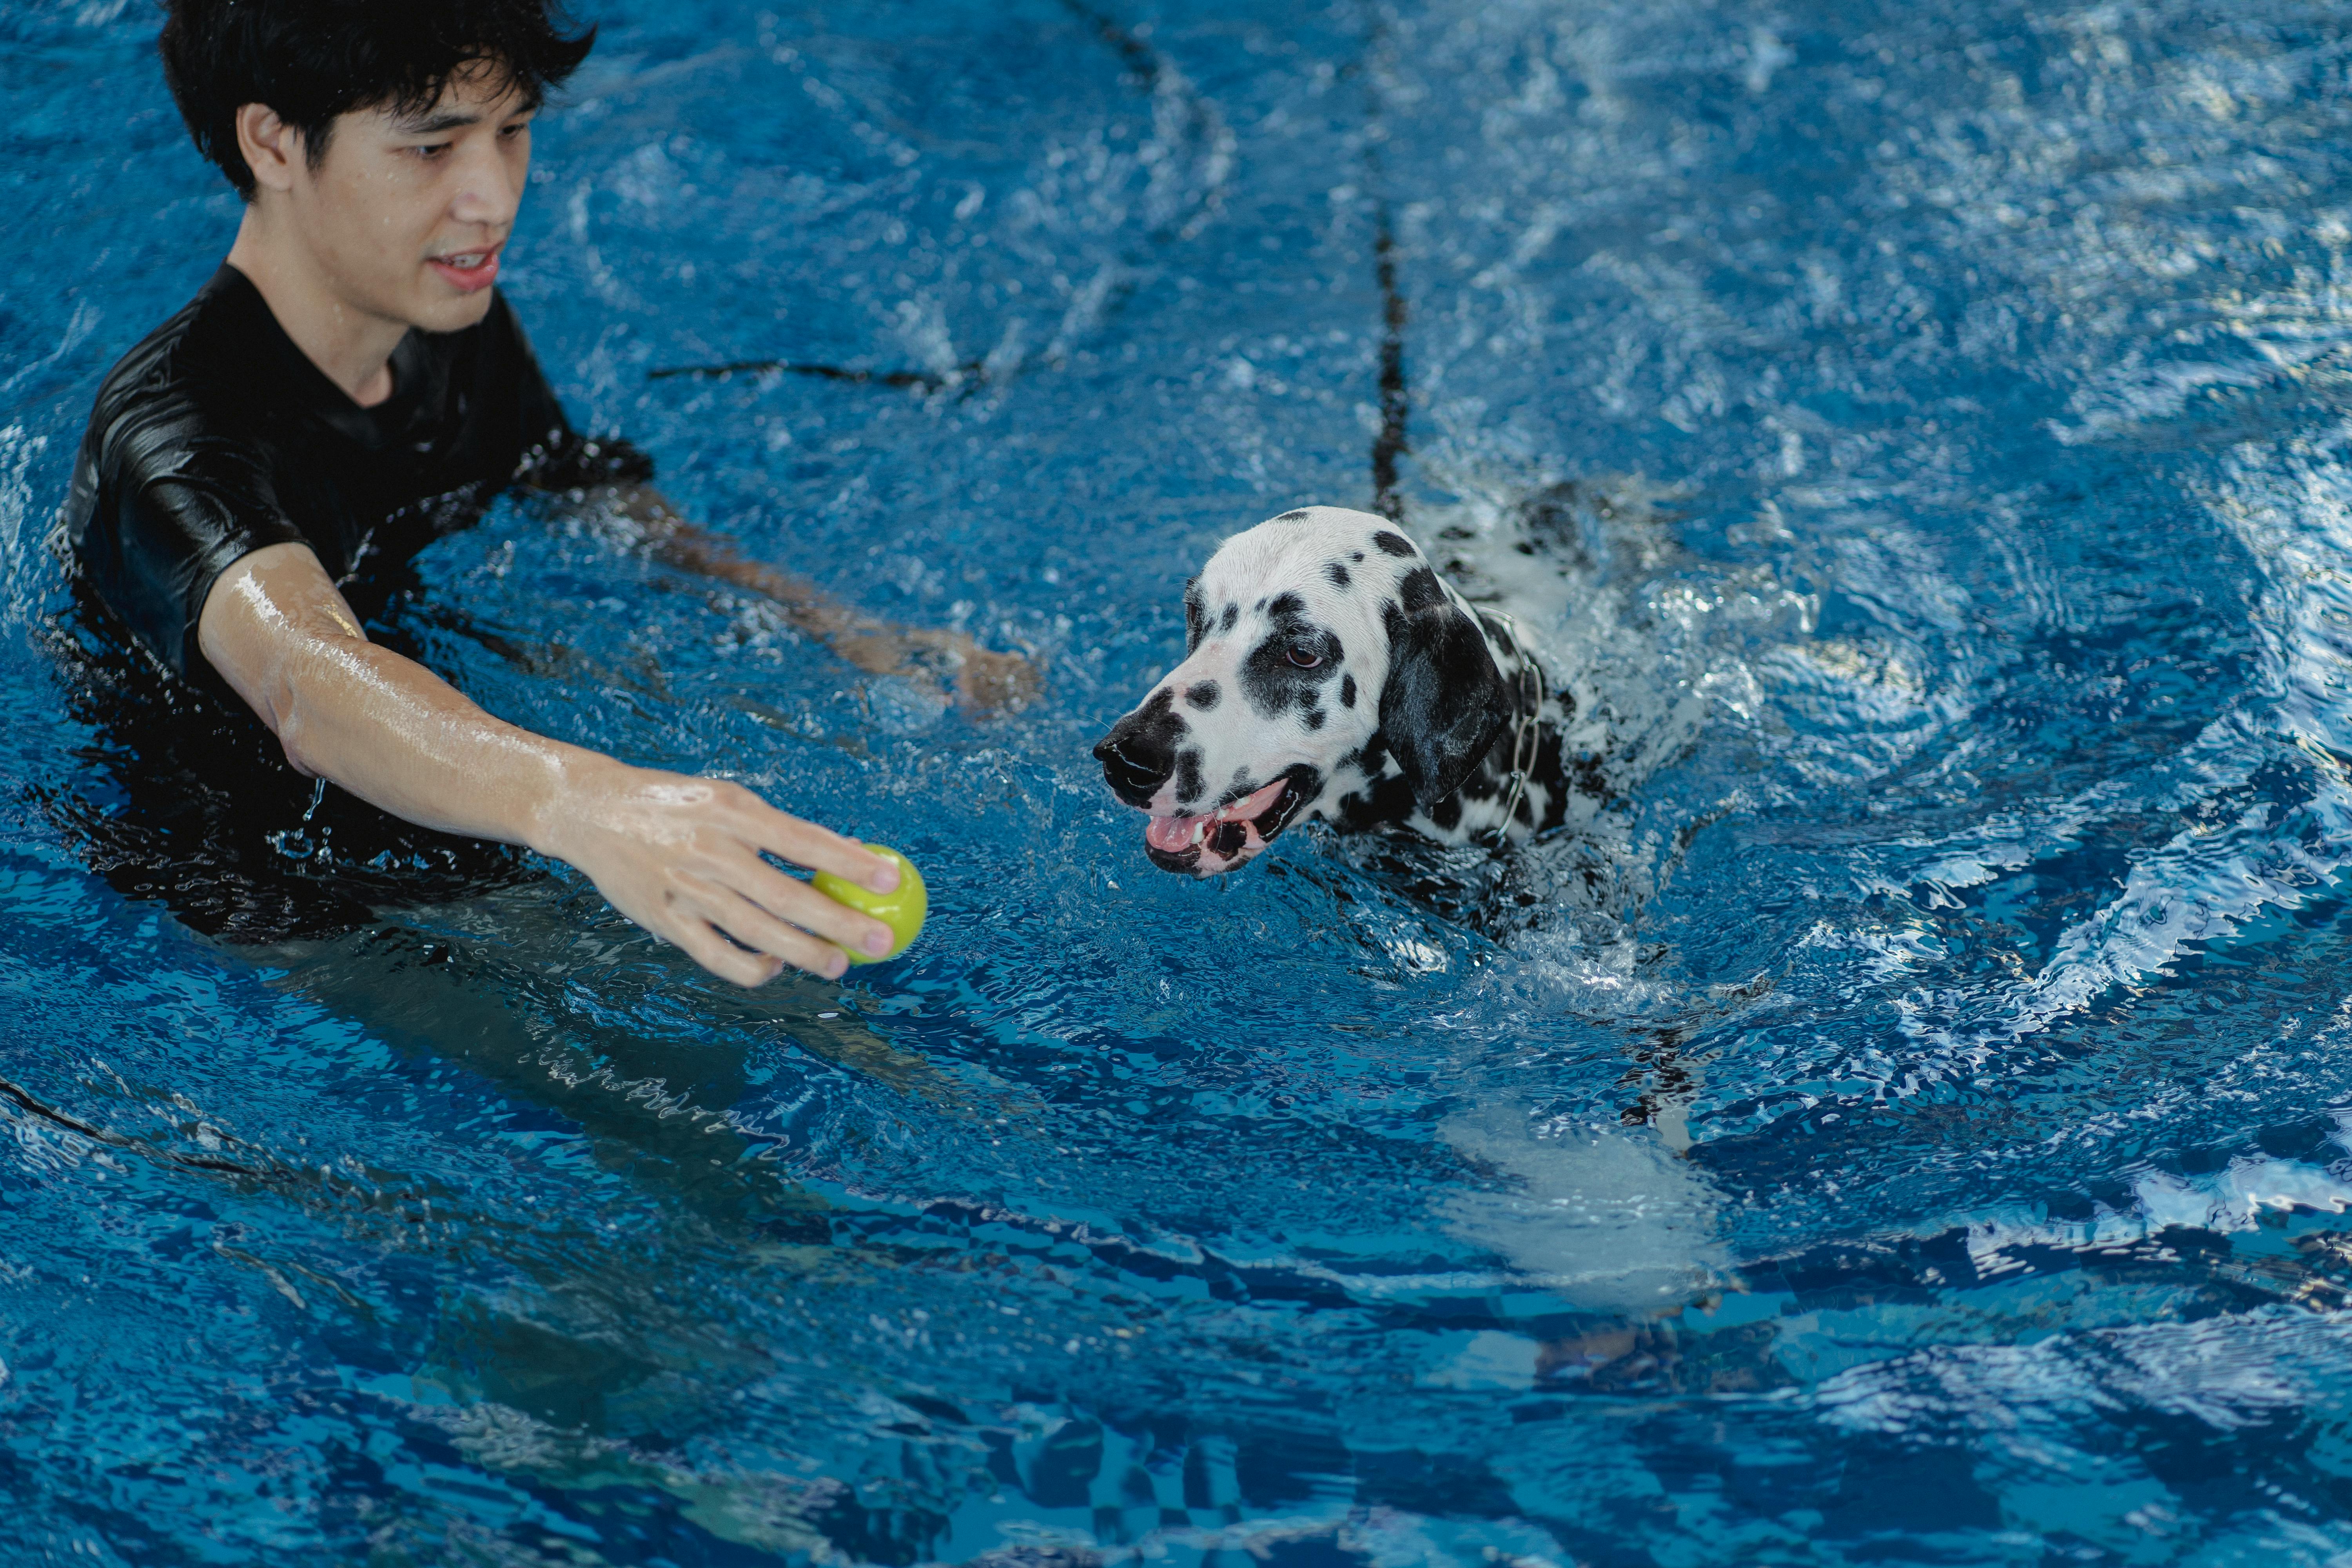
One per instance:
(1226,838)
(468,271)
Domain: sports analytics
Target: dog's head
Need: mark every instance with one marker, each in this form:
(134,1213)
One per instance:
(1323,657)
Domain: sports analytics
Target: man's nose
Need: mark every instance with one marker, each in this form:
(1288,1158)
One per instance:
(491,191)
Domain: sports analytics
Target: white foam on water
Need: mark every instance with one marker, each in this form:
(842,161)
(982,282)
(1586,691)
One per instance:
(1605,1219)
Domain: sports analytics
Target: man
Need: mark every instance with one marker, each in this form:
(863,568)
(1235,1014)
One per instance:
(349,385)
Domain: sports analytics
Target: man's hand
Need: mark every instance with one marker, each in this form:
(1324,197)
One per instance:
(681,857)
(985,682)
(992,682)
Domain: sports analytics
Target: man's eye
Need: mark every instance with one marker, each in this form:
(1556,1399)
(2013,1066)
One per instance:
(431,150)
(1305,657)
(511,131)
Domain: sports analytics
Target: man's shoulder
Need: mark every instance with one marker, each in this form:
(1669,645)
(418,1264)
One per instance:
(172,479)
(184,372)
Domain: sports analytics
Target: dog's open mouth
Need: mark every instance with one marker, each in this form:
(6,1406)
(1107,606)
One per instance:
(1226,838)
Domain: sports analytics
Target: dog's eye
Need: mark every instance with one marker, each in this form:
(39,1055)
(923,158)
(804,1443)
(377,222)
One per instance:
(1305,657)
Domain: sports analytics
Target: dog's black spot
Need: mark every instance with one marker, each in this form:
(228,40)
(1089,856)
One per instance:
(1551,771)
(1267,682)
(1188,787)
(1203,694)
(1232,614)
(1420,591)
(1337,573)
(1392,543)
(1196,615)
(1381,800)
(1355,555)
(1448,813)
(1294,627)
(1314,719)
(1300,515)
(1271,678)
(1347,691)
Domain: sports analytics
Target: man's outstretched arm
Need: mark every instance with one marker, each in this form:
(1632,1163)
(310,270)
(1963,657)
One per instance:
(679,856)
(985,682)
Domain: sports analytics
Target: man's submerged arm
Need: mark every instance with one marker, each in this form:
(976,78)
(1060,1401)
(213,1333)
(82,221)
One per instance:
(679,856)
(984,680)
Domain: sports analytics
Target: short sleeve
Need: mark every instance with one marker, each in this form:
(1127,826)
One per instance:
(169,508)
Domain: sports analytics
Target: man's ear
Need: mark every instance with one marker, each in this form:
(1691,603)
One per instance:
(270,147)
(1445,700)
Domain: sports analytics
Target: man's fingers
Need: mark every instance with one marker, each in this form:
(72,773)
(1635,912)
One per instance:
(707,922)
(704,944)
(790,898)
(753,926)
(761,907)
(820,848)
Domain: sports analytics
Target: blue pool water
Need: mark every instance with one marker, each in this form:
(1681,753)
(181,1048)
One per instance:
(1912,1124)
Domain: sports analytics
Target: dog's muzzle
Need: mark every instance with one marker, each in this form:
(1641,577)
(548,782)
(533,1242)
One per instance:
(1214,842)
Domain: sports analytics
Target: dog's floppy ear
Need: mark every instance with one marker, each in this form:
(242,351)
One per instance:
(1444,699)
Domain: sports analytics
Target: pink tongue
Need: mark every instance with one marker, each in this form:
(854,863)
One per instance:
(1174,834)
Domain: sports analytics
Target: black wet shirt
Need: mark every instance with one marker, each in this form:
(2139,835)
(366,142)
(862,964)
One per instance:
(216,435)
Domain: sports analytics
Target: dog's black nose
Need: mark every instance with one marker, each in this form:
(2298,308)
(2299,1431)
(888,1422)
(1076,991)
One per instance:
(1132,769)
(1140,753)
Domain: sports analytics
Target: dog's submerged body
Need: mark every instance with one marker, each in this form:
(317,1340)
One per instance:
(1329,671)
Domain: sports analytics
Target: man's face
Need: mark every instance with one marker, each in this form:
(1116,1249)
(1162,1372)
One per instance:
(407,214)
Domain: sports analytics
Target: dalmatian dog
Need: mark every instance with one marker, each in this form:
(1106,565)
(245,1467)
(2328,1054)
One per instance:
(1329,671)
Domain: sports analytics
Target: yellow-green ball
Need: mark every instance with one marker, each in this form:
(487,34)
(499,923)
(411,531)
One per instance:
(901,909)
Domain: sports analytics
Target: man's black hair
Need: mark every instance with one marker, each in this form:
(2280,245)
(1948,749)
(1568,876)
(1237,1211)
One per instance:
(311,60)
